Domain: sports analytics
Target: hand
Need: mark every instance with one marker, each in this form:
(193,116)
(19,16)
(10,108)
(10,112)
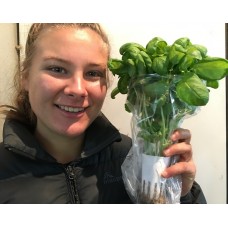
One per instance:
(185,166)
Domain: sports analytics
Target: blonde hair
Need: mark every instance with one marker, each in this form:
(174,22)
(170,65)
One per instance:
(21,109)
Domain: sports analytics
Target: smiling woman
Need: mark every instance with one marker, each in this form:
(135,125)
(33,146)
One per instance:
(57,144)
(58,81)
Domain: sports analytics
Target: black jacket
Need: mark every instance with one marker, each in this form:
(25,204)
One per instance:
(28,174)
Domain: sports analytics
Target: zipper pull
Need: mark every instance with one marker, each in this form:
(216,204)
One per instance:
(70,172)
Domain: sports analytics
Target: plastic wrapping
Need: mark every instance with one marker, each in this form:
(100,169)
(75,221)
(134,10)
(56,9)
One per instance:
(157,112)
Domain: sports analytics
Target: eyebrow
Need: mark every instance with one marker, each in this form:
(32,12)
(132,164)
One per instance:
(51,58)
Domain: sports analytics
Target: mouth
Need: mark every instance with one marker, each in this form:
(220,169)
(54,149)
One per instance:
(70,109)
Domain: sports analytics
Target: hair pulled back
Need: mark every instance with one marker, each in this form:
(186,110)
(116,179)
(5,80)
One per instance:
(21,108)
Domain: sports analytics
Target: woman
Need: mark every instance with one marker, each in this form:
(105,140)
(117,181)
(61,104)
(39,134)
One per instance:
(57,145)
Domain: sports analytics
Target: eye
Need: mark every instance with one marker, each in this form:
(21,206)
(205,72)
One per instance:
(57,69)
(95,74)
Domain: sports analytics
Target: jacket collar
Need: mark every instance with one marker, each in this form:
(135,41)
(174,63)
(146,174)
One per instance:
(99,135)
(18,138)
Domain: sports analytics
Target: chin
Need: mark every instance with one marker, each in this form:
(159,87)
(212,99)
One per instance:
(73,132)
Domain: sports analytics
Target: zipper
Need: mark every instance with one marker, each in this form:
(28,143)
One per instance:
(72,183)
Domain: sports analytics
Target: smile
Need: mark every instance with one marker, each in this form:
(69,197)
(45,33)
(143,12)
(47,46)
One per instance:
(70,109)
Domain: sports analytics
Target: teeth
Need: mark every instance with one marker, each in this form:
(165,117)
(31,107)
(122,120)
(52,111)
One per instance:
(70,109)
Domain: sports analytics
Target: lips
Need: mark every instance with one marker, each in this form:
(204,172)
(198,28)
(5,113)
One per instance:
(70,109)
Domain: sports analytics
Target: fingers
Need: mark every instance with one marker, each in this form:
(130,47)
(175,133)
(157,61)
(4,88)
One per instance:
(186,169)
(185,166)
(182,149)
(181,138)
(181,135)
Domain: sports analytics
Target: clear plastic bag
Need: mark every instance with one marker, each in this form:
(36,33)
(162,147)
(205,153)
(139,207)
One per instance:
(141,175)
(157,112)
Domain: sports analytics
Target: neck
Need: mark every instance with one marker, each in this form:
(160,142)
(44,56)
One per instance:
(62,148)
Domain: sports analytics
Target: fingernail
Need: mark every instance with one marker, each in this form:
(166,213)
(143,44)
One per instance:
(164,174)
(166,152)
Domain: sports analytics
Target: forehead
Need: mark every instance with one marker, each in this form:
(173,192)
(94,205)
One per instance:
(70,35)
(73,45)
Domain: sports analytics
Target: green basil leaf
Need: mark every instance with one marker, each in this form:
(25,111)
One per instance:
(212,83)
(114,92)
(184,42)
(174,55)
(192,90)
(130,53)
(140,65)
(125,47)
(123,84)
(148,62)
(130,64)
(179,48)
(186,62)
(160,65)
(202,49)
(161,48)
(156,89)
(155,46)
(194,52)
(211,68)
(117,66)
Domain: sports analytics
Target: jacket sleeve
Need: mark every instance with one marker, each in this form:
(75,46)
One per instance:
(195,196)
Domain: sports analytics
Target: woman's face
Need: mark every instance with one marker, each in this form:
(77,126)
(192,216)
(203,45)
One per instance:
(67,80)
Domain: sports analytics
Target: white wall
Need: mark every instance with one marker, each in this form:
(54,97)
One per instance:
(8,62)
(208,127)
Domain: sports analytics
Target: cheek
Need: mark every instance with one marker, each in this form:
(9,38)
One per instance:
(40,89)
(97,92)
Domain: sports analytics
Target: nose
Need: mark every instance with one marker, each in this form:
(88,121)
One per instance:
(76,86)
